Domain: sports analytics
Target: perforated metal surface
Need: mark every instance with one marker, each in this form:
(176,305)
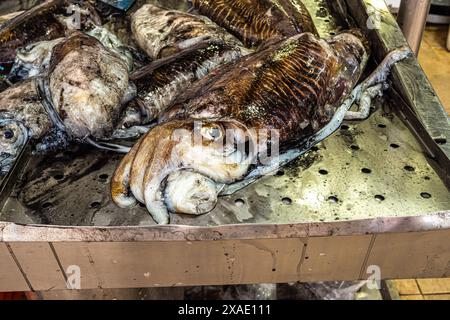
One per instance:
(368,169)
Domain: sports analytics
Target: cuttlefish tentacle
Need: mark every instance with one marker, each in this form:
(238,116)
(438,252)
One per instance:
(374,84)
(179,157)
(365,103)
(158,138)
(154,162)
(120,184)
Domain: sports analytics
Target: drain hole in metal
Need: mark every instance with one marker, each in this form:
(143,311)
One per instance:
(425,195)
(355,147)
(47,205)
(239,202)
(409,168)
(379,197)
(95,204)
(395,146)
(333,199)
(280,173)
(323,172)
(286,201)
(440,141)
(366,170)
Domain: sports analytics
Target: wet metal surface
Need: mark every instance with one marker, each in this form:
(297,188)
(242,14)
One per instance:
(370,169)
(410,80)
(323,18)
(366,170)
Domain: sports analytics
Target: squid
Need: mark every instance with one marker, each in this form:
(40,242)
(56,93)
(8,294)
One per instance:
(245,120)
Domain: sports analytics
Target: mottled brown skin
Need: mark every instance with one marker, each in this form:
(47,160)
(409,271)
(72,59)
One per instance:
(255,22)
(293,86)
(40,23)
(159,83)
(87,84)
(23,103)
(161,33)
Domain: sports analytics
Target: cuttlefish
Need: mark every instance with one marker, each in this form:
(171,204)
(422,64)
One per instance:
(245,120)
(188,48)
(75,88)
(185,47)
(258,22)
(80,99)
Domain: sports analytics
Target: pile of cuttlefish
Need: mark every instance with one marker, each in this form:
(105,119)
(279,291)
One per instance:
(215,98)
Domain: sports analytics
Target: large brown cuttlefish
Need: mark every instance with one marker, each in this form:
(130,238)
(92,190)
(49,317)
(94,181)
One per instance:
(217,133)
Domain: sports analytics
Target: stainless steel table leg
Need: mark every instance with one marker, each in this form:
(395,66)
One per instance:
(412,18)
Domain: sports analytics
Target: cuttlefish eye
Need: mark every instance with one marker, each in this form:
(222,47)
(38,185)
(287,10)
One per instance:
(12,133)
(13,136)
(8,134)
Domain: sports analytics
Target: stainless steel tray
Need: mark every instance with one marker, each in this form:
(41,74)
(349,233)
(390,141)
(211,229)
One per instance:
(373,193)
